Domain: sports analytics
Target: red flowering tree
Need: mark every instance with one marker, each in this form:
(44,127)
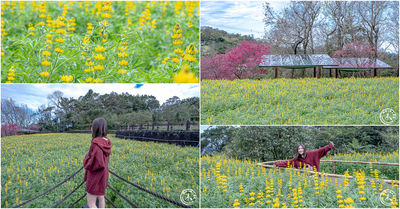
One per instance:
(356,49)
(211,67)
(10,129)
(237,63)
(242,61)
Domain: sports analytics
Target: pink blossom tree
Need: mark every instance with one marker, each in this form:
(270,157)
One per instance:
(356,49)
(10,129)
(237,63)
(211,67)
(243,60)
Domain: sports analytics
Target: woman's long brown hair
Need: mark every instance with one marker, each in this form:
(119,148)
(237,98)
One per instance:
(297,150)
(99,128)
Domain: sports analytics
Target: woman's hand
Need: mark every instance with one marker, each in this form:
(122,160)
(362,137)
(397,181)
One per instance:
(332,144)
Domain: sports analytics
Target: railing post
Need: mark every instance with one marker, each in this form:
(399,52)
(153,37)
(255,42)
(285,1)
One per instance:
(168,126)
(187,125)
(334,167)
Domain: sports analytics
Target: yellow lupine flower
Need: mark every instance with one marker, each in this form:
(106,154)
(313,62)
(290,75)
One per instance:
(45,74)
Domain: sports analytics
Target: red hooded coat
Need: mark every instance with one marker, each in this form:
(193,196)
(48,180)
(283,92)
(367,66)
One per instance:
(96,166)
(312,158)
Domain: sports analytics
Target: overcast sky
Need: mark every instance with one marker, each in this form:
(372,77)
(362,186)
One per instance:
(243,17)
(35,95)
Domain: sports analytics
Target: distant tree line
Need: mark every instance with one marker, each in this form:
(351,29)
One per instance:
(276,143)
(63,114)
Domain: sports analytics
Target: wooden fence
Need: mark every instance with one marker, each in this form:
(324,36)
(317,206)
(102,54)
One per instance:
(187,126)
(267,165)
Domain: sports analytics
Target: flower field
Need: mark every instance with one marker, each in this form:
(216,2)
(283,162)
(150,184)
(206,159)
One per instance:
(95,42)
(298,101)
(32,164)
(231,183)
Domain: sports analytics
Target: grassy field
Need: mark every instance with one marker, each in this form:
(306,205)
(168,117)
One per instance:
(228,182)
(94,41)
(307,101)
(34,163)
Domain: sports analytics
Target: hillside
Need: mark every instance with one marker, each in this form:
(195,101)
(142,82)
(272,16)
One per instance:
(217,41)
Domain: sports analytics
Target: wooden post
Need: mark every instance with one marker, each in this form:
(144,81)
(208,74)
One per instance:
(152,126)
(330,72)
(168,126)
(319,71)
(336,73)
(374,72)
(276,72)
(187,125)
(315,72)
(334,167)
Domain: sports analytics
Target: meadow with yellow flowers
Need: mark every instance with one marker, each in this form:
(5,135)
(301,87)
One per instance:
(32,164)
(95,41)
(227,182)
(298,101)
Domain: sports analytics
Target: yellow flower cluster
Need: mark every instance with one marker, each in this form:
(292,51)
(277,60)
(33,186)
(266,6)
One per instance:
(177,36)
(45,74)
(185,76)
(67,78)
(11,75)
(3,30)
(360,184)
(145,19)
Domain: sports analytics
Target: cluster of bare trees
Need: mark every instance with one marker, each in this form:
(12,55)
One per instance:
(13,113)
(314,26)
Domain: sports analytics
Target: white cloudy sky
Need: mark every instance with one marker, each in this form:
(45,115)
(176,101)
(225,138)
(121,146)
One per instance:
(243,17)
(35,95)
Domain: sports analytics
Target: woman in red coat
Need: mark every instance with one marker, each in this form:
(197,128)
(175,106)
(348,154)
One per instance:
(96,164)
(305,158)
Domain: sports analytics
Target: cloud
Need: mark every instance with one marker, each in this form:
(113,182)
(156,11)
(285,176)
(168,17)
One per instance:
(243,17)
(34,95)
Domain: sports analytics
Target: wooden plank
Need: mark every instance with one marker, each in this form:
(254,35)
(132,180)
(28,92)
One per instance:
(361,162)
(341,161)
(326,174)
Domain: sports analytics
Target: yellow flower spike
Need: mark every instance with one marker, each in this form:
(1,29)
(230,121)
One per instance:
(123,62)
(99,57)
(100,49)
(60,40)
(45,74)
(98,67)
(46,63)
(185,77)
(58,50)
(67,78)
(46,53)
(122,71)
